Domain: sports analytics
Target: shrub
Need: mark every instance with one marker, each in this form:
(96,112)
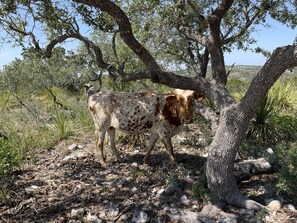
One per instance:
(287,176)
(200,189)
(11,153)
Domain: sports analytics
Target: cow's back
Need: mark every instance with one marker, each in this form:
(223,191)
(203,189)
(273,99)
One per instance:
(128,112)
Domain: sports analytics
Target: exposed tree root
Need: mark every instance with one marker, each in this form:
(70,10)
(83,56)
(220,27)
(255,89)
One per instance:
(241,201)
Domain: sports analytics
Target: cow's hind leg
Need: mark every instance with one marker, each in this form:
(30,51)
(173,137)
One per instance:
(153,139)
(111,133)
(99,137)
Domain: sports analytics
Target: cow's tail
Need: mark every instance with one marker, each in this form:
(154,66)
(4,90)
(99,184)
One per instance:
(89,90)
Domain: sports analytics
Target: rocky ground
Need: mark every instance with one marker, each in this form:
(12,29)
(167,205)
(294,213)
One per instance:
(67,184)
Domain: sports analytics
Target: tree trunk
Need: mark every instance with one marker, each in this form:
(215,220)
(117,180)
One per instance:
(220,162)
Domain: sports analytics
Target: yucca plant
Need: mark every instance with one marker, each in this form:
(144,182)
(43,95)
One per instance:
(260,128)
(285,92)
(265,127)
(62,126)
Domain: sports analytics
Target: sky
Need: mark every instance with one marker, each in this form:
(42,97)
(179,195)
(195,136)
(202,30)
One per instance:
(269,39)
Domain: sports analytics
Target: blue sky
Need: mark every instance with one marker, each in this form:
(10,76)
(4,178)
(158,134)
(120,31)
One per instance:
(269,39)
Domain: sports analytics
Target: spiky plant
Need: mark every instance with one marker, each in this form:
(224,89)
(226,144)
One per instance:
(261,129)
(266,126)
(62,126)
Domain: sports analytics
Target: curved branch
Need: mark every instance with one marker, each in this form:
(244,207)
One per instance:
(126,33)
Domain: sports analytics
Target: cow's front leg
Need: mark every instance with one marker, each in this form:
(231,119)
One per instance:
(111,133)
(168,145)
(153,139)
(99,138)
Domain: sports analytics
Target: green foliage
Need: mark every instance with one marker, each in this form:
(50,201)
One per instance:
(200,189)
(287,176)
(260,129)
(237,88)
(62,125)
(11,153)
(5,100)
(273,122)
(284,92)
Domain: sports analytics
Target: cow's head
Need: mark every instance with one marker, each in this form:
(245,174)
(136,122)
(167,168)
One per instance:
(89,89)
(180,106)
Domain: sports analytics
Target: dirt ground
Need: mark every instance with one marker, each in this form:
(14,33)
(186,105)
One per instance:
(67,184)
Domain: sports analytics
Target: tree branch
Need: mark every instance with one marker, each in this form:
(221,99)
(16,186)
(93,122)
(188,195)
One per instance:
(126,34)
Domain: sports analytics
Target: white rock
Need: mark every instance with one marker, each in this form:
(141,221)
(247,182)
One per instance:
(134,189)
(184,200)
(140,217)
(136,151)
(160,192)
(72,147)
(74,154)
(274,205)
(113,210)
(77,212)
(290,207)
(93,218)
(31,188)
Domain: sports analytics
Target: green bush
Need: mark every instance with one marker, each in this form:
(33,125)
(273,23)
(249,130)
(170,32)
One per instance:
(200,189)
(11,153)
(287,175)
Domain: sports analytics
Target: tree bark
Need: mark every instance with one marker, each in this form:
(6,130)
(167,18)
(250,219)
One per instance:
(220,162)
(232,127)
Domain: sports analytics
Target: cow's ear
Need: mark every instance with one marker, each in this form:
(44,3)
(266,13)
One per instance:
(199,96)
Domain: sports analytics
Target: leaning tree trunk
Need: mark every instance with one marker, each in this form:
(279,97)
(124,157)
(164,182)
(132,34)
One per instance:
(220,162)
(232,127)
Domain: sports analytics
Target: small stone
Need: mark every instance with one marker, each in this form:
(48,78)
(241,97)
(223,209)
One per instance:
(136,151)
(72,147)
(228,220)
(274,205)
(290,207)
(134,189)
(74,154)
(31,188)
(140,217)
(77,212)
(93,218)
(184,200)
(113,210)
(160,192)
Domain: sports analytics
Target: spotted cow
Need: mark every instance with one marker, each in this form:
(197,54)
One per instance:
(137,113)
